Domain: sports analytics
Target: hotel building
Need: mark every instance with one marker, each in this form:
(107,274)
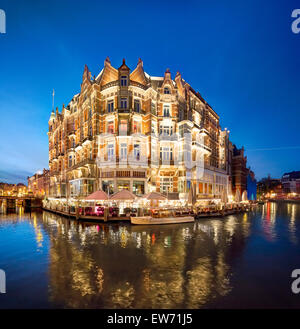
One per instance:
(129,130)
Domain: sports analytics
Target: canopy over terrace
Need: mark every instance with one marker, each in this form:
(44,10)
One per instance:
(153,199)
(155,196)
(124,198)
(237,196)
(244,196)
(97,196)
(123,195)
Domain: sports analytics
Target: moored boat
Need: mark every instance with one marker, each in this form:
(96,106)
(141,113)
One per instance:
(148,220)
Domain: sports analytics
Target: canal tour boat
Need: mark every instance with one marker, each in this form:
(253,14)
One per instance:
(148,220)
(162,216)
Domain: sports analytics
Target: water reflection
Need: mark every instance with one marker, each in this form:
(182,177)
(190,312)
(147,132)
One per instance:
(119,265)
(292,212)
(97,265)
(268,217)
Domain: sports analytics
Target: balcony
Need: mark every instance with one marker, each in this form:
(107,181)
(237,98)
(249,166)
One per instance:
(110,84)
(170,138)
(137,84)
(203,147)
(82,163)
(204,132)
(166,162)
(123,110)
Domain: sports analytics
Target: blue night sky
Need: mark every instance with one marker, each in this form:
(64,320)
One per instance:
(240,55)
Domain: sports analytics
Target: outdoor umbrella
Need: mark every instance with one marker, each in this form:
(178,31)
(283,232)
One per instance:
(237,196)
(155,196)
(244,196)
(122,195)
(97,196)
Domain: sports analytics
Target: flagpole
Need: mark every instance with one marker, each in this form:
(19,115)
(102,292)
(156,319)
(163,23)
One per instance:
(53,93)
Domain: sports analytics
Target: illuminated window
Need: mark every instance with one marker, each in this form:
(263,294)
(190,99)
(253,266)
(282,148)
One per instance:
(123,103)
(166,184)
(110,106)
(136,151)
(153,130)
(166,111)
(166,130)
(123,126)
(110,127)
(123,80)
(110,151)
(137,105)
(181,186)
(166,153)
(137,127)
(123,153)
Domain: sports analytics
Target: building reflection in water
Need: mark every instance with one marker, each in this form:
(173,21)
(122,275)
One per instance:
(292,215)
(123,266)
(269,214)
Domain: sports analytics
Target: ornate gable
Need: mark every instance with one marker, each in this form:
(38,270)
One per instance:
(167,82)
(180,85)
(86,78)
(138,74)
(109,73)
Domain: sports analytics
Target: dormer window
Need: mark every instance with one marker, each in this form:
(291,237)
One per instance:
(167,91)
(124,81)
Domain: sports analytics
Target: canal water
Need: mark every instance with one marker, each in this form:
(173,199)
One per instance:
(242,261)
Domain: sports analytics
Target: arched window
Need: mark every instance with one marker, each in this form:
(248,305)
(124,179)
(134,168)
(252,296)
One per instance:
(167,91)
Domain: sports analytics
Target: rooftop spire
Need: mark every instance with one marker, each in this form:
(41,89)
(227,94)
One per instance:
(107,60)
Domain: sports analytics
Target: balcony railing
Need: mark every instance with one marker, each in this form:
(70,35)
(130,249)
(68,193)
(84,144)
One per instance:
(137,84)
(110,84)
(82,164)
(203,146)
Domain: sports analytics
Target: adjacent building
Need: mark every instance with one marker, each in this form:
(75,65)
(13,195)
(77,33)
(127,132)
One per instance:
(239,170)
(129,130)
(13,189)
(251,185)
(291,182)
(38,184)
